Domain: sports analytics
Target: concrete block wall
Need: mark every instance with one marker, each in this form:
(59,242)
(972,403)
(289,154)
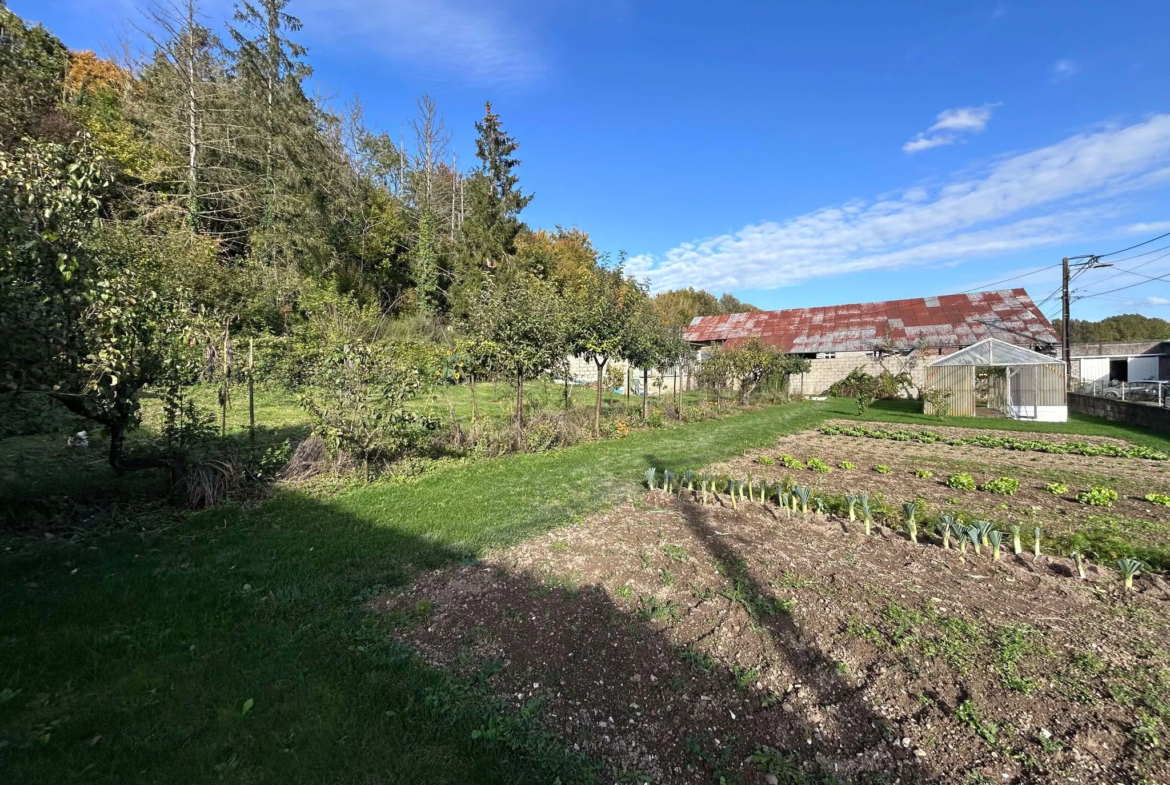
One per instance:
(824,373)
(1141,415)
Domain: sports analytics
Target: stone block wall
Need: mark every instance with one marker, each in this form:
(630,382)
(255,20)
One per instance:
(824,373)
(1138,414)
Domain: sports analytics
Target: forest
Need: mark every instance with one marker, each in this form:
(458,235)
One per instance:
(193,216)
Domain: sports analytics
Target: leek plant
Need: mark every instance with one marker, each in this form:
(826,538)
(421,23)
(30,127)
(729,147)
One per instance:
(667,480)
(732,487)
(1017,548)
(866,512)
(946,522)
(852,502)
(976,541)
(1080,564)
(996,537)
(651,473)
(1036,542)
(911,509)
(1129,568)
(784,500)
(705,483)
(751,487)
(961,533)
(985,529)
(689,479)
(804,494)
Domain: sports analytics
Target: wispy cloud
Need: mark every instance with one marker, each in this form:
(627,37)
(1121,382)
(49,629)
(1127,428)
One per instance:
(1028,200)
(949,127)
(468,40)
(1063,69)
(1157,301)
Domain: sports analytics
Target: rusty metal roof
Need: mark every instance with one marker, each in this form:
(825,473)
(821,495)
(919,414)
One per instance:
(952,320)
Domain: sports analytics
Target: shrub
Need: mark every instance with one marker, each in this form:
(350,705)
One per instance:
(940,401)
(923,474)
(1098,496)
(1158,498)
(845,465)
(819,466)
(765,460)
(1004,486)
(882,469)
(788,462)
(961,482)
(1056,488)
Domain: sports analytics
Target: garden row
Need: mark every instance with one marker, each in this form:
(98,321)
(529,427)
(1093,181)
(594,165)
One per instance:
(799,499)
(923,436)
(1096,496)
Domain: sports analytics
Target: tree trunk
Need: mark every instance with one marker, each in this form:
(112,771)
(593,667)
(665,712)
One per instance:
(568,397)
(677,397)
(471,383)
(520,398)
(597,407)
(645,391)
(629,371)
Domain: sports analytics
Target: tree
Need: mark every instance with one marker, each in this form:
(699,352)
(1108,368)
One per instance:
(492,223)
(678,307)
(518,323)
(32,64)
(602,314)
(647,343)
(751,362)
(1122,327)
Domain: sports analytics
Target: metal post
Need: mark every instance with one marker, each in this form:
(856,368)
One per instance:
(1065,330)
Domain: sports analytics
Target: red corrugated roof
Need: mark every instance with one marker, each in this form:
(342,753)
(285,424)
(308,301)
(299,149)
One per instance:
(952,320)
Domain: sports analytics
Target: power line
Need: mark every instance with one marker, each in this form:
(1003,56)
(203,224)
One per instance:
(1120,272)
(1139,245)
(1123,288)
(986,286)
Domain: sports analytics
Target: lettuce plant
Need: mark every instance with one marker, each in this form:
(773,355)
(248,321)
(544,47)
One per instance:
(911,511)
(1158,498)
(1056,488)
(996,537)
(961,482)
(1017,549)
(789,462)
(1129,568)
(1003,486)
(1098,496)
(804,494)
(819,466)
(845,465)
(923,474)
(881,468)
(765,460)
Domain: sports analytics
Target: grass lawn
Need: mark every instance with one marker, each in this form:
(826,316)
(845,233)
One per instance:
(235,645)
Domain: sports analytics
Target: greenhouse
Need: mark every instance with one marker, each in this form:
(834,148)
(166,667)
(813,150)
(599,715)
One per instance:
(1001,378)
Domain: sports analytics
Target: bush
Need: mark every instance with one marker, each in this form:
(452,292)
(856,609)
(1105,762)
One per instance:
(940,401)
(882,469)
(961,482)
(819,466)
(1098,496)
(1056,488)
(923,474)
(1004,486)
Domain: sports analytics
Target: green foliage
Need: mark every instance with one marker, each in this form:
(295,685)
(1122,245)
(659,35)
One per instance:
(846,465)
(1129,569)
(357,399)
(1003,486)
(791,462)
(923,474)
(819,466)
(1098,496)
(1056,488)
(1121,327)
(1160,499)
(961,482)
(765,460)
(999,442)
(752,362)
(881,468)
(939,401)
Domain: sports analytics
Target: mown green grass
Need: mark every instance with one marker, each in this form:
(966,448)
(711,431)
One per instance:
(131,662)
(129,656)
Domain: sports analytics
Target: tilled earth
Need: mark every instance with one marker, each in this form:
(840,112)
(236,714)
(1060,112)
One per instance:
(673,640)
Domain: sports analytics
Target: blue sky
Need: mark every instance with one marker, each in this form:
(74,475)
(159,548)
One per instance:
(796,153)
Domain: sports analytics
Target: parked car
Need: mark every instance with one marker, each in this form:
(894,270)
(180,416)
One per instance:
(1136,391)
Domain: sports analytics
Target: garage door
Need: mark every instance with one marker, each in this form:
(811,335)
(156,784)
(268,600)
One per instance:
(1143,368)
(1095,369)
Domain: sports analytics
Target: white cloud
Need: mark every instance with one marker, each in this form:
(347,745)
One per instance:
(472,41)
(1063,69)
(949,127)
(1157,301)
(1029,200)
(1155,227)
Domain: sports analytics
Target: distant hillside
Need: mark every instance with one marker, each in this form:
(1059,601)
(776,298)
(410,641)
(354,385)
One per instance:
(1123,327)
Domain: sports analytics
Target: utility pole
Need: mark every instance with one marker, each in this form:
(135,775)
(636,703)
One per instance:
(1065,331)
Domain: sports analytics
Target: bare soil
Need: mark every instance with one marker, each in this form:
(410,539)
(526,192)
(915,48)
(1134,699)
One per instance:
(673,640)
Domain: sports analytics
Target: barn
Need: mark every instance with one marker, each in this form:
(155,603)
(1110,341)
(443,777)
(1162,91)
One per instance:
(893,335)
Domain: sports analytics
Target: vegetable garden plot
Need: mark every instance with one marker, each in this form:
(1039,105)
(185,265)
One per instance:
(682,642)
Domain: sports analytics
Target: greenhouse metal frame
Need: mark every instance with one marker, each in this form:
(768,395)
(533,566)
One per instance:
(1033,386)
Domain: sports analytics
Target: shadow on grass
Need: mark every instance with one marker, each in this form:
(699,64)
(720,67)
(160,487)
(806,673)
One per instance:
(238,647)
